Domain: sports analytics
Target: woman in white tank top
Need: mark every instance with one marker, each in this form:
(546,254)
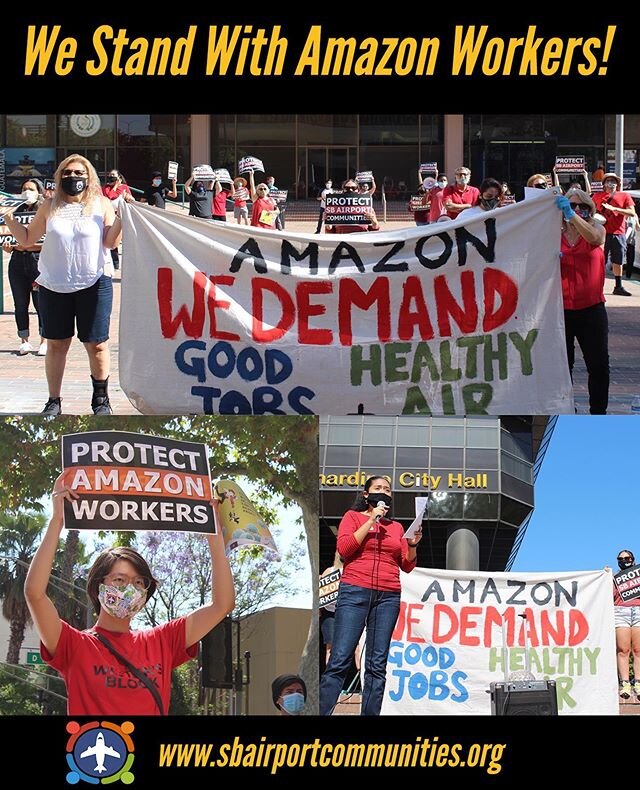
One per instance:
(75,275)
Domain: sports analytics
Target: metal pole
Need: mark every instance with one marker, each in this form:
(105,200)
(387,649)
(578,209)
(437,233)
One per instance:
(619,145)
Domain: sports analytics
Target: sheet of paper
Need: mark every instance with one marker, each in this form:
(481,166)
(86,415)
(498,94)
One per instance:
(416,524)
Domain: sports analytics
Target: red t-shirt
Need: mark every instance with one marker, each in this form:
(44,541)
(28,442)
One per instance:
(468,195)
(436,196)
(260,205)
(376,562)
(582,272)
(98,685)
(616,222)
(113,193)
(220,202)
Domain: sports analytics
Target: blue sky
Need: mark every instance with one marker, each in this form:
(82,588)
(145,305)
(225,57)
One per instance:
(587,505)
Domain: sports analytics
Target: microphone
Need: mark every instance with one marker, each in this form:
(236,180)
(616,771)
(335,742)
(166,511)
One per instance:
(380,504)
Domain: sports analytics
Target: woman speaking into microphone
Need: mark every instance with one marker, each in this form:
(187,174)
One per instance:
(374,550)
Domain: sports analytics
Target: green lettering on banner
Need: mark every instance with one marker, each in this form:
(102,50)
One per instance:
(359,364)
(524,346)
(393,367)
(415,402)
(473,404)
(499,355)
(421,359)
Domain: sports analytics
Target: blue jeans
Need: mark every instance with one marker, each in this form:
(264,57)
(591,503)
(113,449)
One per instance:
(357,607)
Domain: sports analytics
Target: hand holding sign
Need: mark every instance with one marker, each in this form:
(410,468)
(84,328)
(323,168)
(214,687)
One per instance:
(58,497)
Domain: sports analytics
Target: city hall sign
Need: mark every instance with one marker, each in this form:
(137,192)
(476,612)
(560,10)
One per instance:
(422,480)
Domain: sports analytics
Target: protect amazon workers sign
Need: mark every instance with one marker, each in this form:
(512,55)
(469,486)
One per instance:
(132,481)
(461,317)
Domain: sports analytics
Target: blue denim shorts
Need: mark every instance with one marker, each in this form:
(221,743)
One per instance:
(89,310)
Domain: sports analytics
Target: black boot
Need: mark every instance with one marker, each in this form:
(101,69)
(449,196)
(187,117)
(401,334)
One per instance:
(100,401)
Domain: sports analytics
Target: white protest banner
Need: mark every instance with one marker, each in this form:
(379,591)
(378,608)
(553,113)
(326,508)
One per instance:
(628,583)
(463,317)
(241,525)
(348,209)
(133,481)
(448,643)
(8,202)
(329,588)
(241,194)
(569,164)
(249,164)
(204,172)
(172,170)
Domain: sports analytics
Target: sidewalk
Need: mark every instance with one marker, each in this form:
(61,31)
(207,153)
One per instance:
(23,388)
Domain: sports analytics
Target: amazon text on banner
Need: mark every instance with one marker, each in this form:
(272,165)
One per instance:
(454,318)
(133,481)
(448,644)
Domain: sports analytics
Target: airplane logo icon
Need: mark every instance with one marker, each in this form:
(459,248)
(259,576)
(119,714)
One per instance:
(100,750)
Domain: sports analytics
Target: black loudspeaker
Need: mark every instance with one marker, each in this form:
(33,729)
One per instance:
(524,698)
(216,657)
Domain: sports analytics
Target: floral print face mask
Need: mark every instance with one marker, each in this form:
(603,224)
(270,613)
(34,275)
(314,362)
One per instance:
(121,602)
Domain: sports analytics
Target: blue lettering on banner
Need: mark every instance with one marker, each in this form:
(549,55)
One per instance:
(250,364)
(436,685)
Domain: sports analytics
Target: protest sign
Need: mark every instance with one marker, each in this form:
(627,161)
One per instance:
(8,202)
(569,164)
(348,209)
(49,184)
(418,203)
(222,174)
(131,481)
(242,193)
(240,523)
(463,317)
(364,177)
(279,195)
(628,583)
(428,168)
(204,172)
(329,588)
(172,170)
(249,164)
(450,639)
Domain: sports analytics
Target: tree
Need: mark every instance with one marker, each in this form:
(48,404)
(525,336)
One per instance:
(19,539)
(279,453)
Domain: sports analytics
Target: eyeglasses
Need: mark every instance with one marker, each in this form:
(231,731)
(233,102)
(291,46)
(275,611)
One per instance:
(625,559)
(351,189)
(261,189)
(74,172)
(539,185)
(121,580)
(583,206)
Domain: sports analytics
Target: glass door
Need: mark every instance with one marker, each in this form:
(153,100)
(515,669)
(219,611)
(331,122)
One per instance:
(333,162)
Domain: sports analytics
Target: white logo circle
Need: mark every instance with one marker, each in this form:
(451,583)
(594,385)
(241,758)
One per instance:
(85,125)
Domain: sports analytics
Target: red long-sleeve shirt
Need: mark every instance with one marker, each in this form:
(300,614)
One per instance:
(376,562)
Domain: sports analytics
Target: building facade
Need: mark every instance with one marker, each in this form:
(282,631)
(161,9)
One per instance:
(302,151)
(478,473)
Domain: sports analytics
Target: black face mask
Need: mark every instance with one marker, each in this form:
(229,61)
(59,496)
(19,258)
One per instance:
(72,185)
(374,498)
(112,179)
(489,203)
(624,564)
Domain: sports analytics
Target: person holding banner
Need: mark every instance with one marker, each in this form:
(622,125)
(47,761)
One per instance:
(220,197)
(374,550)
(75,275)
(23,271)
(111,670)
(627,619)
(582,273)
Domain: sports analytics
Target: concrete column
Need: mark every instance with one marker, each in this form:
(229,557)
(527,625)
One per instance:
(200,140)
(453,145)
(619,144)
(463,549)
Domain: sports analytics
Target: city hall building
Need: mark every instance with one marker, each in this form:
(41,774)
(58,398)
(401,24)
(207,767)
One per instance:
(302,151)
(478,474)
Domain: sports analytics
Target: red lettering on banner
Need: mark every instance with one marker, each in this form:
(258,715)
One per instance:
(411,637)
(498,283)
(443,632)
(465,317)
(259,332)
(213,303)
(192,323)
(468,624)
(408,318)
(351,294)
(306,334)
(578,627)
